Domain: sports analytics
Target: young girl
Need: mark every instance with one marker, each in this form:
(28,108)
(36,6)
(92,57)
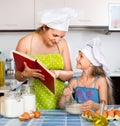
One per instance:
(94,83)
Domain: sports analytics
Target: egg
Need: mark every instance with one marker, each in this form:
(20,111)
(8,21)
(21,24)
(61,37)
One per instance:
(26,115)
(36,114)
(29,115)
(21,118)
(32,115)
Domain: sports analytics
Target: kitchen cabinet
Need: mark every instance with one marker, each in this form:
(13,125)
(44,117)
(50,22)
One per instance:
(16,14)
(93,13)
(113,1)
(43,5)
(90,13)
(114,16)
(23,14)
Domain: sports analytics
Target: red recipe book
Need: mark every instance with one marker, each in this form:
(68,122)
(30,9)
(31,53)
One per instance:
(20,58)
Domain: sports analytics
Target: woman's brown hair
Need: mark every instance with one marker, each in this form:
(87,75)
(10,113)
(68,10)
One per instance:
(40,29)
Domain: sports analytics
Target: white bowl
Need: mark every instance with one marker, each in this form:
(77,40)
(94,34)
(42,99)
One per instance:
(73,108)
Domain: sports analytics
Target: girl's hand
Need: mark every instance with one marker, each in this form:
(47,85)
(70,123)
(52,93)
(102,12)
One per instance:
(28,72)
(68,91)
(89,105)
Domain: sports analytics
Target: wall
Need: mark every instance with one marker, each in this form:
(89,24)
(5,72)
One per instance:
(77,39)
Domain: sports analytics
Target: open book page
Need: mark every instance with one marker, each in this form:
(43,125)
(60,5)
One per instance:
(20,58)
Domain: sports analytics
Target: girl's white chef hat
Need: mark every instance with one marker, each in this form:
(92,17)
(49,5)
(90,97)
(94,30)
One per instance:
(94,52)
(58,19)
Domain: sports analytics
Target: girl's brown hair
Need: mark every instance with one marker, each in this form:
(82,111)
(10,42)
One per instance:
(98,71)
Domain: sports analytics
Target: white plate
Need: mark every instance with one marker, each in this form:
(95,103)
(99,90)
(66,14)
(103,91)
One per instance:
(73,108)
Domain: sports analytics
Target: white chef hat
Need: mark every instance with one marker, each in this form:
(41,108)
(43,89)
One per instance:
(94,52)
(58,19)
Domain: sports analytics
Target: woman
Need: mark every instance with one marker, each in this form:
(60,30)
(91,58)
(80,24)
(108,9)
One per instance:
(48,45)
(94,84)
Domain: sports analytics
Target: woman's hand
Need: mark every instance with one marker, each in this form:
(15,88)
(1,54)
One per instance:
(62,74)
(56,73)
(28,72)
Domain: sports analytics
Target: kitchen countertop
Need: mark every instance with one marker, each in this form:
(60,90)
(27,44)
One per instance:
(52,118)
(115,74)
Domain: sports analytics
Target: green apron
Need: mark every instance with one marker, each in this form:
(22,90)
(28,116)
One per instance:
(45,99)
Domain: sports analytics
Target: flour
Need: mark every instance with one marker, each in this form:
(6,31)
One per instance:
(73,108)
